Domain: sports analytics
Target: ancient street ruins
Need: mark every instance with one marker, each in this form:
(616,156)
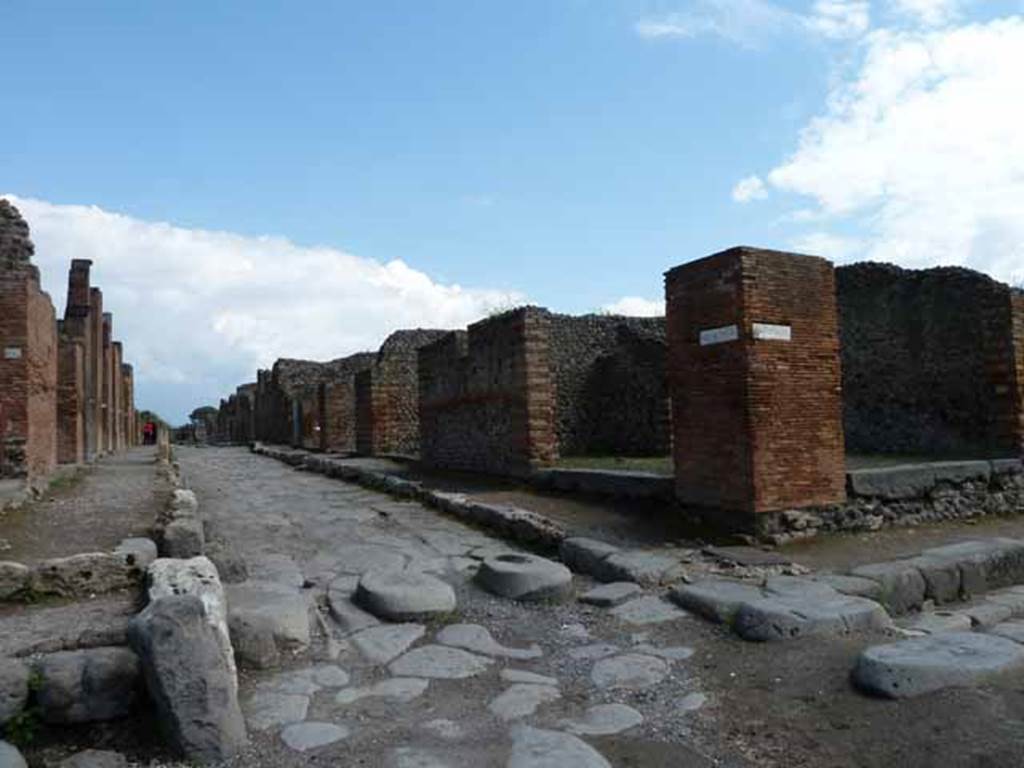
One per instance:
(782,525)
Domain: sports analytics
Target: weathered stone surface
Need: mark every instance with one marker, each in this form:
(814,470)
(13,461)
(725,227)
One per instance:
(265,620)
(10,757)
(522,676)
(1011,630)
(473,637)
(14,579)
(988,614)
(984,564)
(921,665)
(648,610)
(522,699)
(404,595)
(303,737)
(715,599)
(269,709)
(852,585)
(278,569)
(639,566)
(183,538)
(584,555)
(604,720)
(95,758)
(787,617)
(401,689)
(1012,598)
(521,576)
(536,748)
(350,617)
(381,644)
(184,503)
(940,621)
(357,559)
(230,564)
(138,552)
(631,671)
(88,573)
(903,586)
(13,688)
(439,661)
(192,687)
(609,595)
(88,685)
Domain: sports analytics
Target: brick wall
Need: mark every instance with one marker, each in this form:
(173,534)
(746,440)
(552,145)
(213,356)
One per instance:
(336,402)
(928,361)
(486,397)
(118,395)
(96,332)
(28,358)
(129,405)
(611,396)
(757,421)
(108,382)
(70,399)
(387,396)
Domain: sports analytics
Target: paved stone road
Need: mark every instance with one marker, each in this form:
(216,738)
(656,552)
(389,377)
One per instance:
(493,683)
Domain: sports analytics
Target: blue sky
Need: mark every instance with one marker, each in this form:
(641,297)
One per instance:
(563,152)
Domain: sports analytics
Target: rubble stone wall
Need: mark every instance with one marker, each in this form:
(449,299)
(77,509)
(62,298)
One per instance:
(486,396)
(929,361)
(611,395)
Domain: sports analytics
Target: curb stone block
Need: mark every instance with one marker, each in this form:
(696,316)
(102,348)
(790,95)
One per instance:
(903,586)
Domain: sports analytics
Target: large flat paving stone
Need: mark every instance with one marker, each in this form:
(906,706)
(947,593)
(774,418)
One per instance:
(521,576)
(537,748)
(604,720)
(400,689)
(379,645)
(303,737)
(522,699)
(439,661)
(639,566)
(715,599)
(610,595)
(404,595)
(788,617)
(266,710)
(1011,630)
(266,619)
(925,664)
(473,637)
(630,671)
(648,610)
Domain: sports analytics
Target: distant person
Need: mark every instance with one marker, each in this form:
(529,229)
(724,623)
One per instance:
(149,433)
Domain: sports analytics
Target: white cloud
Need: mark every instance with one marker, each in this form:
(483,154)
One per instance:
(750,22)
(921,149)
(206,308)
(929,12)
(635,306)
(750,188)
(831,246)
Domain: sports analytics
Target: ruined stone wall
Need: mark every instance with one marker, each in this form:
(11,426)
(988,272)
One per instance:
(611,395)
(755,382)
(928,361)
(78,324)
(118,395)
(28,358)
(336,402)
(70,399)
(96,332)
(108,383)
(486,397)
(387,396)
(1017,423)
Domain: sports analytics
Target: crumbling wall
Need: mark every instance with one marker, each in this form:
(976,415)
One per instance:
(928,361)
(336,402)
(70,399)
(28,358)
(486,397)
(611,396)
(387,396)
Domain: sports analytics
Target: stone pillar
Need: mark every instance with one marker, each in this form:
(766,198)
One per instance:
(71,404)
(117,376)
(754,376)
(96,334)
(78,326)
(131,438)
(108,383)
(28,359)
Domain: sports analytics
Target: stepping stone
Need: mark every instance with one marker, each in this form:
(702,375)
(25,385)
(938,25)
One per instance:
(404,595)
(475,638)
(439,661)
(382,644)
(266,619)
(1011,630)
(267,710)
(639,566)
(672,653)
(924,664)
(604,720)
(520,576)
(944,621)
(594,651)
(536,748)
(522,699)
(609,595)
(716,599)
(522,676)
(691,702)
(788,617)
(648,610)
(903,587)
(401,689)
(631,671)
(305,736)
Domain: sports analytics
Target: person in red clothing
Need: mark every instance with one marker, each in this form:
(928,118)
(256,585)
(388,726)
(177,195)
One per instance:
(149,433)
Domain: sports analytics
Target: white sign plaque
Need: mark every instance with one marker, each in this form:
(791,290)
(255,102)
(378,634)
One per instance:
(769,332)
(12,353)
(719,335)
